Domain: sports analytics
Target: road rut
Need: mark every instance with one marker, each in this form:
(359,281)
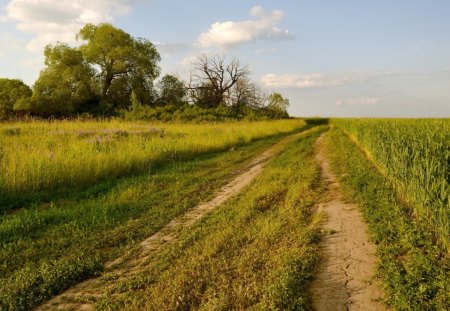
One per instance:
(345,277)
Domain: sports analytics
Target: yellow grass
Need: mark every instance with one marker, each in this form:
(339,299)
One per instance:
(41,155)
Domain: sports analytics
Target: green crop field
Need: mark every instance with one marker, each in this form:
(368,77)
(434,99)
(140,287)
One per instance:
(399,172)
(75,195)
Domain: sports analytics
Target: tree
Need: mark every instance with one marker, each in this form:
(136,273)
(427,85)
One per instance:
(213,78)
(12,93)
(65,86)
(122,63)
(171,91)
(278,105)
(245,94)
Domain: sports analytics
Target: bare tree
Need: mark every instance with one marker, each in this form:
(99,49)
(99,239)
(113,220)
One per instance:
(212,79)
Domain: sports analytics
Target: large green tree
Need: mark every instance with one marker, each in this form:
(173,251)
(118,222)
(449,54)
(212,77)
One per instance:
(12,93)
(65,86)
(122,63)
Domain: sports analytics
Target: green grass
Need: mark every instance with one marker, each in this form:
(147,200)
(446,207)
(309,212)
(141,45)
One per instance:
(257,251)
(39,159)
(50,246)
(415,156)
(415,271)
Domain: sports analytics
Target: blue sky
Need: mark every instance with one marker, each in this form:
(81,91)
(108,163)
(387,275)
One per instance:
(330,58)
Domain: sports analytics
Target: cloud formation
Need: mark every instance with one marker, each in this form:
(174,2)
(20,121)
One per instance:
(312,80)
(228,34)
(60,20)
(357,101)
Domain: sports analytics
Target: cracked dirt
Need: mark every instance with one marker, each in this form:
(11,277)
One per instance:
(344,279)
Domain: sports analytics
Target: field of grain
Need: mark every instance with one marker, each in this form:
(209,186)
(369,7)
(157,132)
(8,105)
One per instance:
(415,156)
(397,171)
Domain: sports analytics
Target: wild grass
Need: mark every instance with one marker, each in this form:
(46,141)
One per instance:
(38,159)
(415,156)
(415,271)
(51,246)
(257,251)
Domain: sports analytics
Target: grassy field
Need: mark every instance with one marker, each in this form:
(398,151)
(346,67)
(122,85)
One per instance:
(74,195)
(389,186)
(54,243)
(39,159)
(257,251)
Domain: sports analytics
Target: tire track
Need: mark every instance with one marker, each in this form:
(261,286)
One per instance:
(345,277)
(83,295)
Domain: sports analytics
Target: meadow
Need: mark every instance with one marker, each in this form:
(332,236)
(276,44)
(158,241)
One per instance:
(39,159)
(77,194)
(67,230)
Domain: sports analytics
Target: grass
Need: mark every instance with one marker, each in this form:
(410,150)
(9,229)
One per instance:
(48,247)
(257,251)
(415,156)
(414,269)
(40,159)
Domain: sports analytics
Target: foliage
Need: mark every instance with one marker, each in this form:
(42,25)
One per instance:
(171,91)
(65,86)
(414,270)
(12,94)
(278,105)
(122,63)
(112,72)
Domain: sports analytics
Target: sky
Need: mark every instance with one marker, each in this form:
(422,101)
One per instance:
(347,58)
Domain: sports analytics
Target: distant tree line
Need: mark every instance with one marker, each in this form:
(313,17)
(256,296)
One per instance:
(113,74)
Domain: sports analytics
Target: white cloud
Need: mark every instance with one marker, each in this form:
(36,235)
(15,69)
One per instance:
(357,101)
(60,20)
(228,34)
(257,11)
(312,80)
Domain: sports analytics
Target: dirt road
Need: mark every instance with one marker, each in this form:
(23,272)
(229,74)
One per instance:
(79,296)
(344,280)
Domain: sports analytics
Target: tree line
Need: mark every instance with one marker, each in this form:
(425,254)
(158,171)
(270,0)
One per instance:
(114,74)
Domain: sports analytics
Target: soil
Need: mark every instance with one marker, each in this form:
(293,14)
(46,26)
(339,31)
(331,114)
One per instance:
(80,296)
(344,279)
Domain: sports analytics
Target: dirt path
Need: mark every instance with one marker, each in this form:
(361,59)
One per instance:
(344,280)
(78,297)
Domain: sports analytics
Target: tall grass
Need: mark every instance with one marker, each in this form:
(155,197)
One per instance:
(256,252)
(42,156)
(415,155)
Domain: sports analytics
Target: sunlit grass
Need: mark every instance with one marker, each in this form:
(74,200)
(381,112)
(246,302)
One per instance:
(415,156)
(42,156)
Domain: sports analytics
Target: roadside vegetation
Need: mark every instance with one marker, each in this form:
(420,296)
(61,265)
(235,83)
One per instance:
(257,251)
(397,171)
(52,245)
(40,159)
